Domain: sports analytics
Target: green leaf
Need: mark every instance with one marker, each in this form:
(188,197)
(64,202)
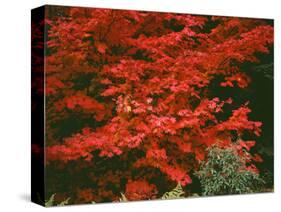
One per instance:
(123,198)
(176,193)
(50,202)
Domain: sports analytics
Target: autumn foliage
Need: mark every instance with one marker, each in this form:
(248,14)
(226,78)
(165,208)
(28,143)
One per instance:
(129,104)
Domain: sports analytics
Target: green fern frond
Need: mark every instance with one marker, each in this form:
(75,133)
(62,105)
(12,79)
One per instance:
(50,202)
(123,198)
(65,202)
(176,193)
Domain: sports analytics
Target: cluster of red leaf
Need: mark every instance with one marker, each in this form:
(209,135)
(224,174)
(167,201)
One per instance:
(140,190)
(147,91)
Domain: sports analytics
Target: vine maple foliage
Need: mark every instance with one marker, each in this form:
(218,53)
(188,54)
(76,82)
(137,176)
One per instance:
(128,101)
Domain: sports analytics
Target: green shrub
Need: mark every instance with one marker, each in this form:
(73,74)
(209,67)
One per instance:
(224,172)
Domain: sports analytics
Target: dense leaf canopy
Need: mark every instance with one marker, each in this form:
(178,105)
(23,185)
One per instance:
(129,103)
